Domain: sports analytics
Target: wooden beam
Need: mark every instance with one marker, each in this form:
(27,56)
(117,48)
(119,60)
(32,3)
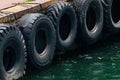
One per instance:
(19,9)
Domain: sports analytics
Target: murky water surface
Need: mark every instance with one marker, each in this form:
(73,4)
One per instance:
(98,62)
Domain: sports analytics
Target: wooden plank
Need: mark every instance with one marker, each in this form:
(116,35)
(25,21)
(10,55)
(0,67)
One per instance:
(8,3)
(15,12)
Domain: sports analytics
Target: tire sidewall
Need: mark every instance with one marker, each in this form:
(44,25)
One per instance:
(64,44)
(109,24)
(20,63)
(45,25)
(116,25)
(91,36)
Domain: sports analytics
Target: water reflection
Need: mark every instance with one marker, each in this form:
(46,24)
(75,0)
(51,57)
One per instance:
(98,62)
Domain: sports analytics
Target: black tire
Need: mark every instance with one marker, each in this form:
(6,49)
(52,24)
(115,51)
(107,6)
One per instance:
(12,53)
(111,15)
(40,38)
(64,19)
(90,20)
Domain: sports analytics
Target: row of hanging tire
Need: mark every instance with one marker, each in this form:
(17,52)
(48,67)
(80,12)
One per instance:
(39,35)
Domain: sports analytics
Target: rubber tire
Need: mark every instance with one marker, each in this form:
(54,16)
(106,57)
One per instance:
(55,12)
(29,24)
(12,37)
(87,36)
(110,25)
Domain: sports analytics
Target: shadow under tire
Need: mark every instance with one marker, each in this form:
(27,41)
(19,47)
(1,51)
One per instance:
(90,20)
(64,19)
(40,38)
(111,15)
(12,53)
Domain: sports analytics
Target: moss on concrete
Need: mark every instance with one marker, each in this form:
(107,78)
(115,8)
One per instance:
(29,0)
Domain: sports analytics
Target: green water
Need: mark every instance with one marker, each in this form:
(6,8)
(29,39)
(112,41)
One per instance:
(98,62)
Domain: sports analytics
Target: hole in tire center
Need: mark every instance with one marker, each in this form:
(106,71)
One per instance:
(40,41)
(10,56)
(115,11)
(91,19)
(64,26)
